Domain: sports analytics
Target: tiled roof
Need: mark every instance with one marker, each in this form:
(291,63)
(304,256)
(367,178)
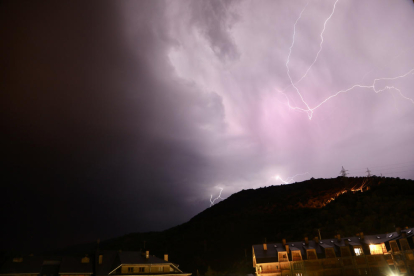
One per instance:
(136,257)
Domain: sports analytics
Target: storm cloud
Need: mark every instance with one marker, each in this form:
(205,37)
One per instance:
(126,116)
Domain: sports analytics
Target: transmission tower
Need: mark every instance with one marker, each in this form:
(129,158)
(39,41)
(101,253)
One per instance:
(343,172)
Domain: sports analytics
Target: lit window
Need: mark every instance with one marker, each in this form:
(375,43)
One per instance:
(283,257)
(296,256)
(160,269)
(358,251)
(376,249)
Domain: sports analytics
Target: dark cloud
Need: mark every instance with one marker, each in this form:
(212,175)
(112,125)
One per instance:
(126,116)
(214,19)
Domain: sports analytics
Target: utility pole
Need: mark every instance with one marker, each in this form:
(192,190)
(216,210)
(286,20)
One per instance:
(319,231)
(343,172)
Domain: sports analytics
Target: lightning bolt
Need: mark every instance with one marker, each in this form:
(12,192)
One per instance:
(320,44)
(288,58)
(308,110)
(212,201)
(290,178)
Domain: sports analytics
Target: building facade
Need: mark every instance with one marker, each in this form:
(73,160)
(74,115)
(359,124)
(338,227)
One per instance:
(102,263)
(385,254)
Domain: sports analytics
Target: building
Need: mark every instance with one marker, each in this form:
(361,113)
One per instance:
(22,266)
(384,254)
(103,263)
(76,266)
(133,263)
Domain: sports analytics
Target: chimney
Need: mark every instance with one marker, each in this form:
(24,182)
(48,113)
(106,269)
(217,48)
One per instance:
(338,237)
(398,230)
(346,242)
(306,241)
(316,239)
(284,241)
(146,254)
(361,235)
(287,248)
(264,246)
(166,257)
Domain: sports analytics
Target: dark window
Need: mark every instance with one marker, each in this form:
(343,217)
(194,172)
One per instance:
(404,244)
(141,269)
(345,252)
(130,269)
(311,254)
(394,246)
(330,253)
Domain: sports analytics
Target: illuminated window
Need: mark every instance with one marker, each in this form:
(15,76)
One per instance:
(283,257)
(296,256)
(160,269)
(376,249)
(100,259)
(358,251)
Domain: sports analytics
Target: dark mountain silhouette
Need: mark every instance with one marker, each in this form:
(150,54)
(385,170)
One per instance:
(221,237)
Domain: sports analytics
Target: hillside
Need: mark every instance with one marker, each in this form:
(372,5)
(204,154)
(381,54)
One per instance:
(222,235)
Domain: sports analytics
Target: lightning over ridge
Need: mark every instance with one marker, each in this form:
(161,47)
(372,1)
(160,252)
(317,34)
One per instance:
(290,178)
(212,201)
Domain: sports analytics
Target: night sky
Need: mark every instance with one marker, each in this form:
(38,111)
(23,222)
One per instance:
(126,116)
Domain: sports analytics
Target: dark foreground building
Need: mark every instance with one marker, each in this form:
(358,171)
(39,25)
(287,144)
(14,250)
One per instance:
(103,263)
(385,254)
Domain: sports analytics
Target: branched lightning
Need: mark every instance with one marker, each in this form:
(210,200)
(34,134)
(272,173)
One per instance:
(320,44)
(289,179)
(212,201)
(288,58)
(308,110)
